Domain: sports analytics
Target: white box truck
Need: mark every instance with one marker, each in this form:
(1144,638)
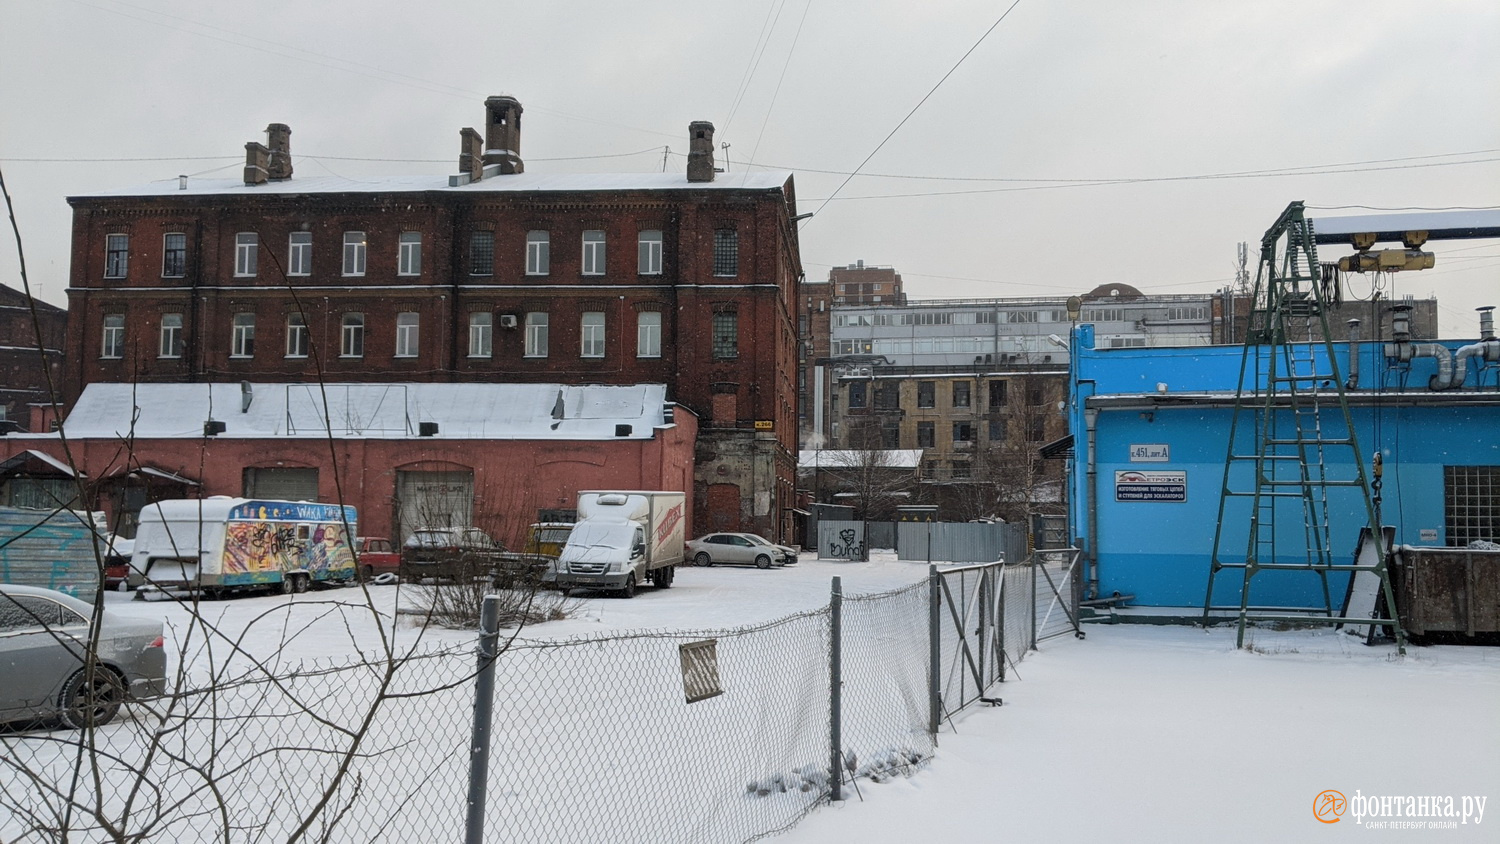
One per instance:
(623,539)
(220,543)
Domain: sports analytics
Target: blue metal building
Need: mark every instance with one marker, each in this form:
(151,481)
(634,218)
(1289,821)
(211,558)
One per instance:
(1151,432)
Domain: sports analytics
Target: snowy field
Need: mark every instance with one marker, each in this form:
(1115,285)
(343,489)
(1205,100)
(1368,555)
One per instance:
(1167,734)
(1172,735)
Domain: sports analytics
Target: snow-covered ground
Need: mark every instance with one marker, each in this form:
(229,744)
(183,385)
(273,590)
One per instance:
(1170,734)
(1166,734)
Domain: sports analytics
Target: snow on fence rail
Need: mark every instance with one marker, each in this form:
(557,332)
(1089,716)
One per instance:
(592,738)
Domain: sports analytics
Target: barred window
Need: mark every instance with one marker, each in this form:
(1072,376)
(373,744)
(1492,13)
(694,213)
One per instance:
(726,252)
(1471,504)
(116,255)
(926,434)
(726,335)
(961,394)
(174,255)
(926,394)
(482,253)
(997,394)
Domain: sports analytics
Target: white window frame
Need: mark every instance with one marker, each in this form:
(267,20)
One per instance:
(648,252)
(352,335)
(538,253)
(648,334)
(536,334)
(355,246)
(591,334)
(296,336)
(299,253)
(170,346)
(409,254)
(246,254)
(593,252)
(408,334)
(242,336)
(116,255)
(112,346)
(481,334)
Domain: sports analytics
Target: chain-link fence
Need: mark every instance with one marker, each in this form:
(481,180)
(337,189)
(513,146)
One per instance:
(718,735)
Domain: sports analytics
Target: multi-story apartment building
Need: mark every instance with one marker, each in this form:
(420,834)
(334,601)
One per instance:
(491,275)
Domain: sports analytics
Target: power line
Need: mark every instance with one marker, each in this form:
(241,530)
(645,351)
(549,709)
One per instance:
(756,53)
(779,80)
(914,108)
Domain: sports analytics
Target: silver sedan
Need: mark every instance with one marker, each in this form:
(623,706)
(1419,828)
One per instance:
(741,548)
(43,673)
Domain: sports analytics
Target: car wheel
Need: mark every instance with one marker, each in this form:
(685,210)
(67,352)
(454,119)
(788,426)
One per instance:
(762,562)
(629,590)
(703,560)
(369,572)
(92,701)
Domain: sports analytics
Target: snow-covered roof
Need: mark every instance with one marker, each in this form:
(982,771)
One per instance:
(1439,225)
(894,458)
(513,183)
(376,411)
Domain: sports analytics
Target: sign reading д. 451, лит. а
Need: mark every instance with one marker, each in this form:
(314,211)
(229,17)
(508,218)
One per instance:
(1149,453)
(1150,486)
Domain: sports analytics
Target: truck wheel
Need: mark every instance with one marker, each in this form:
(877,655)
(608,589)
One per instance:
(703,560)
(629,589)
(762,562)
(664,577)
(288,584)
(300,582)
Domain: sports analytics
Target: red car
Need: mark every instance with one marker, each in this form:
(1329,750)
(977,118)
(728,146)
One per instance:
(377,556)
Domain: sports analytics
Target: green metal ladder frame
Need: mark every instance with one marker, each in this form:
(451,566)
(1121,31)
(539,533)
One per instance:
(1284,399)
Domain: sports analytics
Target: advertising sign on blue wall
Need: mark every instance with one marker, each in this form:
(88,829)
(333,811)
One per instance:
(1150,486)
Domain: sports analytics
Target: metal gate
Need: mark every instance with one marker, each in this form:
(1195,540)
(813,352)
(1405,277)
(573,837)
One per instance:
(434,500)
(282,484)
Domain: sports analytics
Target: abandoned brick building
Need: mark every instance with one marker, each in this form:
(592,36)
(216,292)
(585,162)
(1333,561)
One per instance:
(491,275)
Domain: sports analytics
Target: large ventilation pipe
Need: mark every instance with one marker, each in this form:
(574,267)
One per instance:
(1487,350)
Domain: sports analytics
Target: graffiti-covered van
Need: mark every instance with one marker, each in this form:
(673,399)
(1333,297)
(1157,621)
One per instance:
(226,543)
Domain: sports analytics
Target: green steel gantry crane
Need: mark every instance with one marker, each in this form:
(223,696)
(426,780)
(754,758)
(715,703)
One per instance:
(1291,441)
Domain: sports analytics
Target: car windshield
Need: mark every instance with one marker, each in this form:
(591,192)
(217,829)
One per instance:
(757,540)
(431,537)
(602,535)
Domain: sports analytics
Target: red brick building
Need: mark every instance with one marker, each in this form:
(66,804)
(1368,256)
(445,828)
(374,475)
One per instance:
(492,275)
(26,360)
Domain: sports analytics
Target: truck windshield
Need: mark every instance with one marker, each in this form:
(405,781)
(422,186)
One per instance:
(586,535)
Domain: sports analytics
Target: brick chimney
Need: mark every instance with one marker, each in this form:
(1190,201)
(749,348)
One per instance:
(502,134)
(471,154)
(279,139)
(257,163)
(700,166)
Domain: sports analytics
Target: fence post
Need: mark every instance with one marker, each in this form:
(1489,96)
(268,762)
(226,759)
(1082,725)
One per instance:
(934,650)
(1000,620)
(484,704)
(835,690)
(1032,564)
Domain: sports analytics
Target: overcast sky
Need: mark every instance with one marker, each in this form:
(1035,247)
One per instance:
(990,189)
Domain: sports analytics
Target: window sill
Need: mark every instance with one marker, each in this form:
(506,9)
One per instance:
(294,357)
(242,357)
(533,357)
(481,357)
(406,357)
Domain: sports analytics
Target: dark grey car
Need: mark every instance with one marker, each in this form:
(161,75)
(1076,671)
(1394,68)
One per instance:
(43,637)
